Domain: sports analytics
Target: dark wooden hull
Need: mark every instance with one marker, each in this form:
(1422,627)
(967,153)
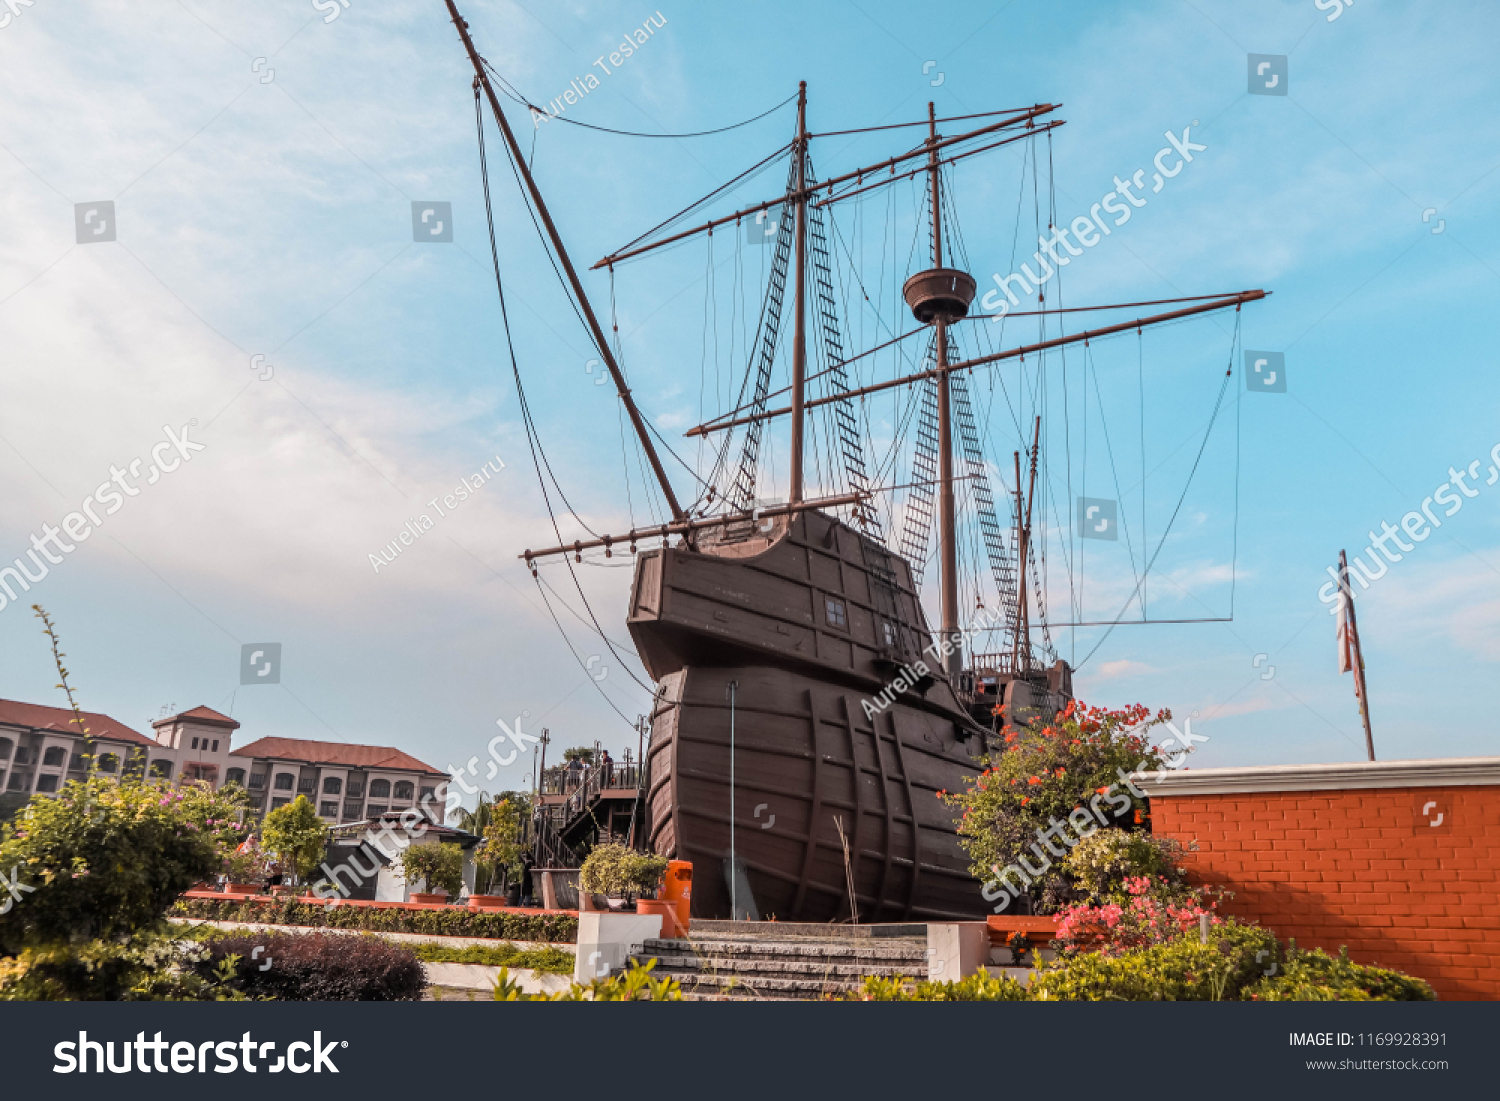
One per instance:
(812,741)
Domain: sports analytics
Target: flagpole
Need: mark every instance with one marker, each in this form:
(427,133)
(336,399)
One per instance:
(1357,660)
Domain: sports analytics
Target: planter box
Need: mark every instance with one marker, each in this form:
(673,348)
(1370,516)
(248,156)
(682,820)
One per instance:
(606,941)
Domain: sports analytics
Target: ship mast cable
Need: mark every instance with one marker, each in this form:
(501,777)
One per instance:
(1235,300)
(749,173)
(919,122)
(513,93)
(831,199)
(1024,117)
(1091,369)
(562,254)
(532,436)
(1203,444)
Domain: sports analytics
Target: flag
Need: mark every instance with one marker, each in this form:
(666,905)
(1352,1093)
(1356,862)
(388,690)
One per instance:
(1346,661)
(1348,647)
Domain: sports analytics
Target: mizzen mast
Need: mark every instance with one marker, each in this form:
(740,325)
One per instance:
(600,342)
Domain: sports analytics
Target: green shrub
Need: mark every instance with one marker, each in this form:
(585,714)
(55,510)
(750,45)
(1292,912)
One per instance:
(978,987)
(615,869)
(634,985)
(1315,976)
(105,859)
(1184,970)
(452,921)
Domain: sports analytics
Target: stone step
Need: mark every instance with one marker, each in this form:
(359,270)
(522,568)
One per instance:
(872,953)
(778,929)
(698,988)
(681,966)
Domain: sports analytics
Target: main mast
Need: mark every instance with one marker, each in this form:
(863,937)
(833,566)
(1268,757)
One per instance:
(519,160)
(947,518)
(799,332)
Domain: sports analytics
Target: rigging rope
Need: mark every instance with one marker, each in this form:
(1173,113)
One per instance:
(538,458)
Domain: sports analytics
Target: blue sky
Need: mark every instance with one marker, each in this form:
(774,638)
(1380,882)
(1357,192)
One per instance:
(272,217)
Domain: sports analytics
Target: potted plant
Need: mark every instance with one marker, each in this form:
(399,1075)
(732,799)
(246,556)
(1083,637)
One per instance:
(620,874)
(440,867)
(246,870)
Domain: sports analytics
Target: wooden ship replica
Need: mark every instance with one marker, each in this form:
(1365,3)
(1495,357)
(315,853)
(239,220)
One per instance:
(805,715)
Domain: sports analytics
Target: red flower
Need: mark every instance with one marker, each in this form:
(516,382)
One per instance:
(1034,780)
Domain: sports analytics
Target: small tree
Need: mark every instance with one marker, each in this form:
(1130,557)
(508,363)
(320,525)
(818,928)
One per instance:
(296,834)
(499,855)
(440,866)
(579,753)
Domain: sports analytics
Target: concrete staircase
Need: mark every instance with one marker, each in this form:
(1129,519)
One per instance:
(779,960)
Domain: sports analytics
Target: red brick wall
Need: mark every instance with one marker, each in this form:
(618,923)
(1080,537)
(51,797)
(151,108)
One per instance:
(1362,868)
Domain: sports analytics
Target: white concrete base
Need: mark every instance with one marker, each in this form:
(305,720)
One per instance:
(605,941)
(956,950)
(481,978)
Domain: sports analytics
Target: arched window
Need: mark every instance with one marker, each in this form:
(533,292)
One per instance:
(332,785)
(403,790)
(283,781)
(6,745)
(235,776)
(108,762)
(162,768)
(380,789)
(54,756)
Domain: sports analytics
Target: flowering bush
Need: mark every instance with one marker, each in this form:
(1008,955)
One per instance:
(1074,773)
(104,859)
(1156,912)
(1100,866)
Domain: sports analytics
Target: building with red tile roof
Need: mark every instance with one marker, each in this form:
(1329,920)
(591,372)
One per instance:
(42,747)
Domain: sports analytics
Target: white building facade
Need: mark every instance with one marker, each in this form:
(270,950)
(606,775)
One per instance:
(41,748)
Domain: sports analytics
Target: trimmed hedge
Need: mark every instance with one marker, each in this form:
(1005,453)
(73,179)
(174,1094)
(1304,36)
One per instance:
(317,967)
(453,922)
(1239,963)
(556,961)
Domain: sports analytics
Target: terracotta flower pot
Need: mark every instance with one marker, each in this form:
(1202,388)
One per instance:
(487,902)
(429,899)
(241,889)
